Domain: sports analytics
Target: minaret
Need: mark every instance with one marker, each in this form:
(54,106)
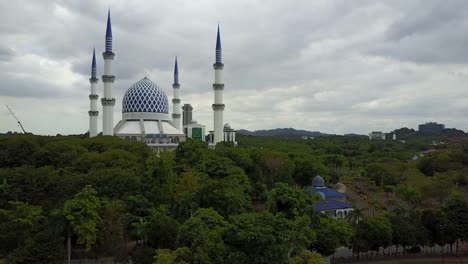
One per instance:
(218,87)
(175,99)
(108,101)
(93,97)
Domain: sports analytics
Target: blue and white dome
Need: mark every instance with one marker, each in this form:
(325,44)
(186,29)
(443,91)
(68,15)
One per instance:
(145,96)
(318,182)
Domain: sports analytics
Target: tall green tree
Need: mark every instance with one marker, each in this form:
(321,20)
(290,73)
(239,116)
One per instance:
(332,234)
(203,233)
(456,209)
(82,212)
(112,237)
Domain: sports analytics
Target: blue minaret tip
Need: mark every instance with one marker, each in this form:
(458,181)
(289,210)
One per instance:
(176,72)
(218,48)
(94,58)
(109,26)
(218,40)
(93,65)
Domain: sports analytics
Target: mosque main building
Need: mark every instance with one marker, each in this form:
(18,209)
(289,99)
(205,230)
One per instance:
(145,108)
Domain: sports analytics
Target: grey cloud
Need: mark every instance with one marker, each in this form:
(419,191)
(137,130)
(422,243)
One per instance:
(6,53)
(335,66)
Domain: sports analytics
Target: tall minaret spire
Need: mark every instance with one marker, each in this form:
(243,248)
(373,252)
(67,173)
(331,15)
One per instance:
(175,99)
(108,101)
(93,97)
(218,87)
(218,48)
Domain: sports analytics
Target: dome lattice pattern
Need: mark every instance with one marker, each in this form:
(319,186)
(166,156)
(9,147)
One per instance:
(145,96)
(318,181)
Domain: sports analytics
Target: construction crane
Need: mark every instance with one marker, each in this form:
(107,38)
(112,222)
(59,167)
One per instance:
(19,123)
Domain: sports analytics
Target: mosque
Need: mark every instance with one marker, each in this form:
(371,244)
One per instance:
(332,202)
(145,107)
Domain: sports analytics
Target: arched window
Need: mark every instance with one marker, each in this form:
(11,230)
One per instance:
(340,214)
(127,139)
(176,140)
(134,139)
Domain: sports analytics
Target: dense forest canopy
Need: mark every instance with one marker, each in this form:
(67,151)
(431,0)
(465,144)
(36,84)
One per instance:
(104,197)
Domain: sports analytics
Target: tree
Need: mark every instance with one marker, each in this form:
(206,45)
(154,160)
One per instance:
(82,214)
(291,202)
(266,238)
(456,209)
(18,224)
(203,233)
(112,238)
(178,256)
(17,151)
(306,257)
(331,235)
(187,198)
(410,194)
(229,195)
(371,234)
(305,169)
(189,153)
(439,229)
(164,256)
(405,230)
(160,178)
(272,167)
(162,228)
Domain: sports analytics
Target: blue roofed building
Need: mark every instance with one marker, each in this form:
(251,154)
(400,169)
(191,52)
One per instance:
(333,202)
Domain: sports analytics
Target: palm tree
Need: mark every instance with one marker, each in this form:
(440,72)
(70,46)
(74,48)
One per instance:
(355,215)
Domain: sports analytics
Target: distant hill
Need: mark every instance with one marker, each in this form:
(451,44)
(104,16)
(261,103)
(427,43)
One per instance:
(283,132)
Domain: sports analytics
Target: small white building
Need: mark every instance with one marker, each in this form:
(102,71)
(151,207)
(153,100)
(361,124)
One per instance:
(377,135)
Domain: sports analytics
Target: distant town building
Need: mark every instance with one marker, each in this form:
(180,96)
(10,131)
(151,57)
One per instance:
(229,134)
(333,202)
(376,135)
(421,154)
(431,128)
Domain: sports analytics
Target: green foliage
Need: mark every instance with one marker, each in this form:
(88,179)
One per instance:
(112,237)
(160,178)
(195,205)
(306,168)
(164,256)
(409,194)
(82,214)
(189,154)
(384,174)
(371,234)
(291,202)
(331,235)
(456,210)
(203,233)
(306,257)
(266,238)
(17,151)
(142,255)
(163,228)
(272,167)
(180,256)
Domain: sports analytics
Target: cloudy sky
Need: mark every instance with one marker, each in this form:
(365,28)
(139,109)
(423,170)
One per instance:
(331,66)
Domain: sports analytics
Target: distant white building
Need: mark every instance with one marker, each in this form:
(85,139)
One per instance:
(376,135)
